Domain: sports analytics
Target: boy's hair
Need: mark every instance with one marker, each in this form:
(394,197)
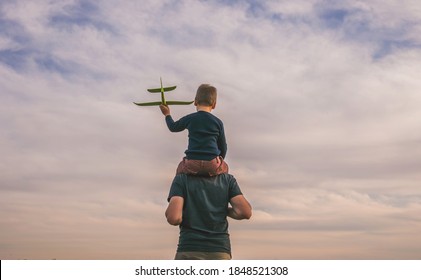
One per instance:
(206,95)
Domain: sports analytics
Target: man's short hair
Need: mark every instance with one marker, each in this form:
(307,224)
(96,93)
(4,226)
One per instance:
(206,95)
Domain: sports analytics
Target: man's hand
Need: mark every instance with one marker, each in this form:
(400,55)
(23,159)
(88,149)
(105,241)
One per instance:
(165,110)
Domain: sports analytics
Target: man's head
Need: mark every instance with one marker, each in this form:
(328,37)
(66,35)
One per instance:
(205,96)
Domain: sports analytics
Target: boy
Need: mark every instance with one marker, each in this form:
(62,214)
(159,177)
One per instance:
(207,145)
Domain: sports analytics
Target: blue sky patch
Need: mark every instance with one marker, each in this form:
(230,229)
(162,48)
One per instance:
(15,59)
(360,26)
(334,18)
(82,14)
(14,31)
(54,64)
(389,46)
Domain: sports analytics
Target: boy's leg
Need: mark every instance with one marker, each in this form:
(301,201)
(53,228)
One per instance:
(189,166)
(218,166)
(203,167)
(180,167)
(214,167)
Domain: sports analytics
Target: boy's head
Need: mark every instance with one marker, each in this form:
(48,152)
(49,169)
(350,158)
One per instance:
(205,96)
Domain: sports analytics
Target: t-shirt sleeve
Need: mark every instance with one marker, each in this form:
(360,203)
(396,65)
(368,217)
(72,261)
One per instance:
(177,187)
(234,188)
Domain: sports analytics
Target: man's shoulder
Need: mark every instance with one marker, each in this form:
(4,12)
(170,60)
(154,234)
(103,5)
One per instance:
(226,176)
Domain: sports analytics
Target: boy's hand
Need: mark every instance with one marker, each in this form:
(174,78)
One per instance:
(165,110)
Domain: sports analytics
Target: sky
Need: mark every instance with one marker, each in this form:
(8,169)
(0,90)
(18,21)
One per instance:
(321,103)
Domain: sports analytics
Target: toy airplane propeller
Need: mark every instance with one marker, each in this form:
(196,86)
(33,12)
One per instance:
(163,101)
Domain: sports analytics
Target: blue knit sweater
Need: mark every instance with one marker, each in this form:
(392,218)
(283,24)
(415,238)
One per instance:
(206,135)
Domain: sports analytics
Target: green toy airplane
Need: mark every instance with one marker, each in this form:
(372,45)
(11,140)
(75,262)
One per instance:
(163,101)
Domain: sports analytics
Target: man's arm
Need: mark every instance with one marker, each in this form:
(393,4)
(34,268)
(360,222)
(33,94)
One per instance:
(241,208)
(174,212)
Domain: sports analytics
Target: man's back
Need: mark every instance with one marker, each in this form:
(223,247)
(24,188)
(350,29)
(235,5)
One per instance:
(204,225)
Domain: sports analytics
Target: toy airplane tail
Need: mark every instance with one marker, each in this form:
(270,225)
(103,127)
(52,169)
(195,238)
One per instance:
(162,89)
(163,101)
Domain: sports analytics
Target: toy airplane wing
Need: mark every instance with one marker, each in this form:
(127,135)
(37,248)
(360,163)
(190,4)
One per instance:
(161,89)
(149,103)
(179,102)
(167,102)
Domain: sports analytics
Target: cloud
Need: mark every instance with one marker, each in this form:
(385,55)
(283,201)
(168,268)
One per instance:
(319,100)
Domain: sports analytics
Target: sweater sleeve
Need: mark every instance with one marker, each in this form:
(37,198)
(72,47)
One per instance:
(175,126)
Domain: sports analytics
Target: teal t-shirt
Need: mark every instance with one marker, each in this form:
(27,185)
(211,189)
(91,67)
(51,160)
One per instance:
(204,227)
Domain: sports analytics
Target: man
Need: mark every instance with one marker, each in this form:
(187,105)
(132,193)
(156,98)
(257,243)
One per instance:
(200,206)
